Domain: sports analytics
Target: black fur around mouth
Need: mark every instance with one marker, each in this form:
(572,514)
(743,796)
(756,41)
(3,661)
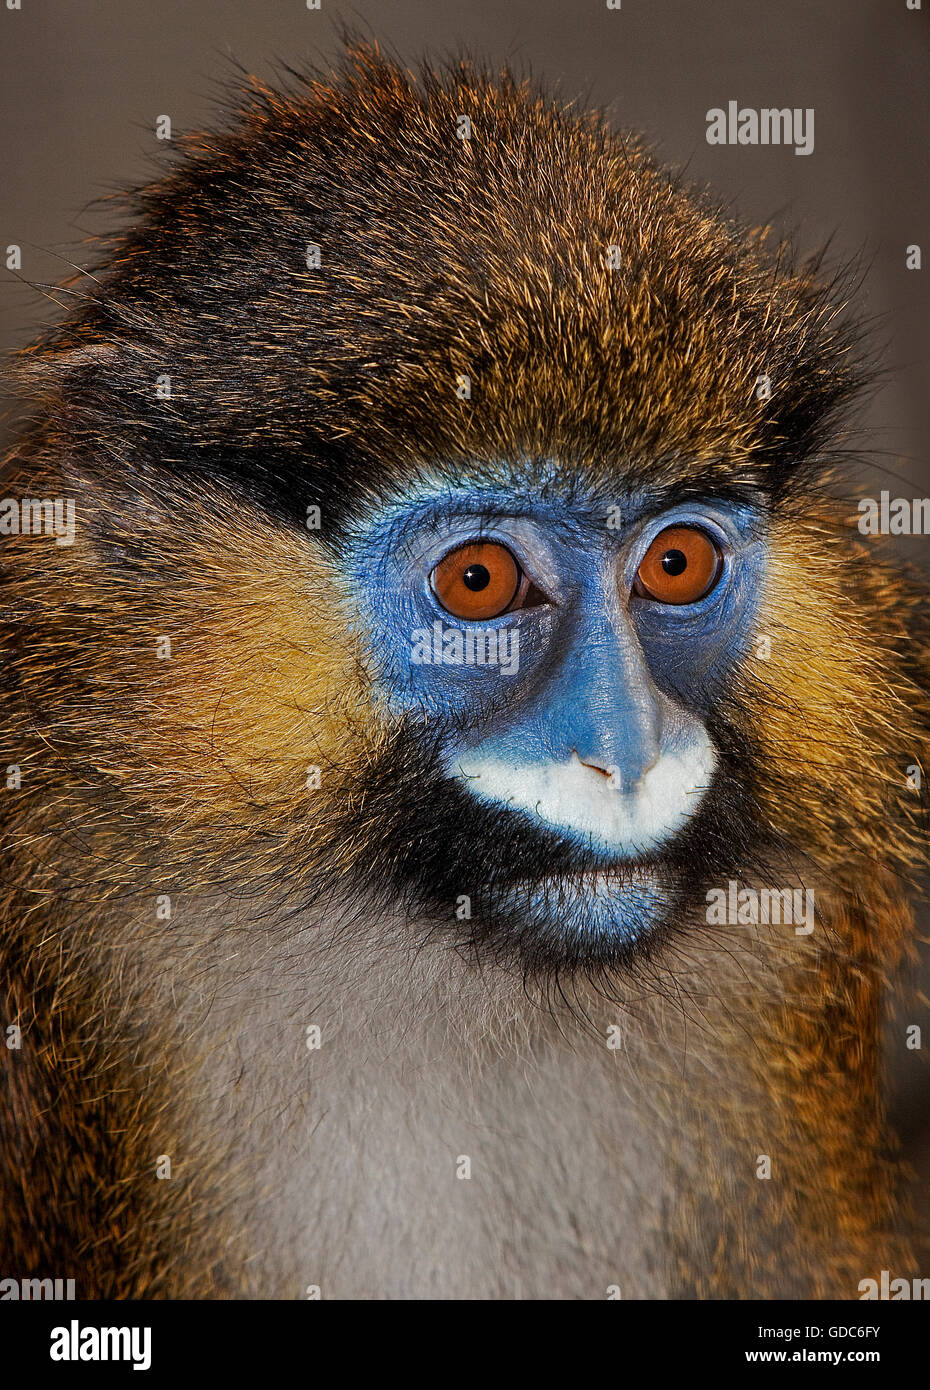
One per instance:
(521,894)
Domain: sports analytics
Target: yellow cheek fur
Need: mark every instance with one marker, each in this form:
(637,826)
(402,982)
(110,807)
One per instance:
(836,729)
(265,680)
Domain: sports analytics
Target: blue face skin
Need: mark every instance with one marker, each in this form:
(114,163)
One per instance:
(618,679)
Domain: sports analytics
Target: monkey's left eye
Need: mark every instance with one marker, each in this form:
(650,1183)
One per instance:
(478,580)
(681,566)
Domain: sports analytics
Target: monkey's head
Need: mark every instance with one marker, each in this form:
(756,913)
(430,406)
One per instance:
(474,470)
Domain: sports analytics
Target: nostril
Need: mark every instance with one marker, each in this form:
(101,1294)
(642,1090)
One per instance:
(595,767)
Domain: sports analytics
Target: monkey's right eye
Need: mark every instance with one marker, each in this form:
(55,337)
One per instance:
(479,580)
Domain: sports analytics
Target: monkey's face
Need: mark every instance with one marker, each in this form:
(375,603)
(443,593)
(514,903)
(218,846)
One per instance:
(556,650)
(560,728)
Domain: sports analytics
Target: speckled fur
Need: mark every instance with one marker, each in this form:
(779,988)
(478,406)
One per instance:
(591,1166)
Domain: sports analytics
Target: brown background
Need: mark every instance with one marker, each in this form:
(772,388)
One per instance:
(82,81)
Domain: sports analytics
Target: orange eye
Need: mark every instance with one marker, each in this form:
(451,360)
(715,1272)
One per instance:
(479,580)
(681,566)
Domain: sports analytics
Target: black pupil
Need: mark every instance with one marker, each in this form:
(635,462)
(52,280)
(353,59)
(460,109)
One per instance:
(674,562)
(476,577)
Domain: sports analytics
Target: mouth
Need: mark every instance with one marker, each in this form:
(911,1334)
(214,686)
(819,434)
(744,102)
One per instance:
(602,883)
(489,880)
(610,907)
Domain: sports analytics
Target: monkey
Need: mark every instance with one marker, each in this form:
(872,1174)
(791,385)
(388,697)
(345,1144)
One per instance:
(459,840)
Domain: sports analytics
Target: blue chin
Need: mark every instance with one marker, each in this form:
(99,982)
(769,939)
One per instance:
(601,908)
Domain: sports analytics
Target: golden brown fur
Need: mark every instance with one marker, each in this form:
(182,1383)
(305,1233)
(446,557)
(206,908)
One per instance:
(186,776)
